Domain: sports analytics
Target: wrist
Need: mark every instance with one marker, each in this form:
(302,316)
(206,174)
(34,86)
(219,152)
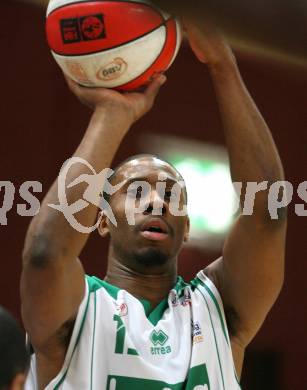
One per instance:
(223,67)
(106,121)
(114,113)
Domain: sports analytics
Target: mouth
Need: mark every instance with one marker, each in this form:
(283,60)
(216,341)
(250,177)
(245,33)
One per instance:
(155,230)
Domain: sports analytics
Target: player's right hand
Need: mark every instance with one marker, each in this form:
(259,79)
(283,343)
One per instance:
(207,42)
(132,104)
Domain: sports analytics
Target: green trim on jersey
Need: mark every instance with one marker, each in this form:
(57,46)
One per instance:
(95,284)
(195,283)
(216,346)
(153,315)
(76,343)
(93,342)
(219,312)
(197,377)
(180,285)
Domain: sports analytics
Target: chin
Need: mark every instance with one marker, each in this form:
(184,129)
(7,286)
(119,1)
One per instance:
(151,257)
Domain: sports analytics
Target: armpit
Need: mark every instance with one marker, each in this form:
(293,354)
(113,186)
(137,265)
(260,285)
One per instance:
(232,320)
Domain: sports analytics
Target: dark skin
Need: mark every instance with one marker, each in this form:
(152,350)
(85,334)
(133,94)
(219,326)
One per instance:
(127,246)
(249,276)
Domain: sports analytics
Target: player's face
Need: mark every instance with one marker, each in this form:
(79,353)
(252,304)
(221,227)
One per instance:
(152,240)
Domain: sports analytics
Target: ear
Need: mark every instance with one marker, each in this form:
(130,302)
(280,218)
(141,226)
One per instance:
(18,382)
(103,226)
(187,230)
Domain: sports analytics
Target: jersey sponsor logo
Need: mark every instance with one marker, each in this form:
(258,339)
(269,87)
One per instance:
(186,298)
(196,332)
(159,339)
(174,298)
(122,309)
(161,350)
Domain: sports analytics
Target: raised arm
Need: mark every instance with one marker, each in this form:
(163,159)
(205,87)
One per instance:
(52,282)
(250,273)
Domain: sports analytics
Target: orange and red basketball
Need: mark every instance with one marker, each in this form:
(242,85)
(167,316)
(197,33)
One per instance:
(112,44)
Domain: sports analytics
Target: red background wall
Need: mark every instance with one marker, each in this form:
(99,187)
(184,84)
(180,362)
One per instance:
(42,123)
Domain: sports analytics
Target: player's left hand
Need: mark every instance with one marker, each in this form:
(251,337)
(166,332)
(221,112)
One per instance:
(207,42)
(130,105)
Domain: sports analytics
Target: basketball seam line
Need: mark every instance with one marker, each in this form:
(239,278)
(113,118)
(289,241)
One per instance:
(102,1)
(155,60)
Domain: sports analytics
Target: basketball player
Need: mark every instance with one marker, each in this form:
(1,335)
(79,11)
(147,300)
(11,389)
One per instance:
(143,327)
(14,358)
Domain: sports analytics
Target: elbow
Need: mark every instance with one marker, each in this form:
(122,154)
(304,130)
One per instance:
(271,206)
(277,213)
(279,197)
(282,214)
(38,253)
(280,285)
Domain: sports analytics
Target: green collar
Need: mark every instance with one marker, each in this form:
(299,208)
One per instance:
(153,315)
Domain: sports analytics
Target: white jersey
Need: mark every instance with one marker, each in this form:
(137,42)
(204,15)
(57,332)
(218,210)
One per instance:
(118,343)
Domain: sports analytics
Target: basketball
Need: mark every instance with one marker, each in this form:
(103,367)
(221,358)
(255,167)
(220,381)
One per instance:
(111,44)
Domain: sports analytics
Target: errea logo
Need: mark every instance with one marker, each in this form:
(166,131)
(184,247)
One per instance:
(158,339)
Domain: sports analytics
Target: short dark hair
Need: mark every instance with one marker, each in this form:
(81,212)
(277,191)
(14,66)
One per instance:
(131,158)
(14,357)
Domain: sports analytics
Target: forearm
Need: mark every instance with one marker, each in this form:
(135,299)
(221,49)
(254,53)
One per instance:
(253,253)
(252,151)
(50,234)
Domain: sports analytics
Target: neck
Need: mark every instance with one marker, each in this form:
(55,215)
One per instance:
(154,285)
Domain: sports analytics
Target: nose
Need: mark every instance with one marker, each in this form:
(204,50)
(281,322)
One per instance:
(157,204)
